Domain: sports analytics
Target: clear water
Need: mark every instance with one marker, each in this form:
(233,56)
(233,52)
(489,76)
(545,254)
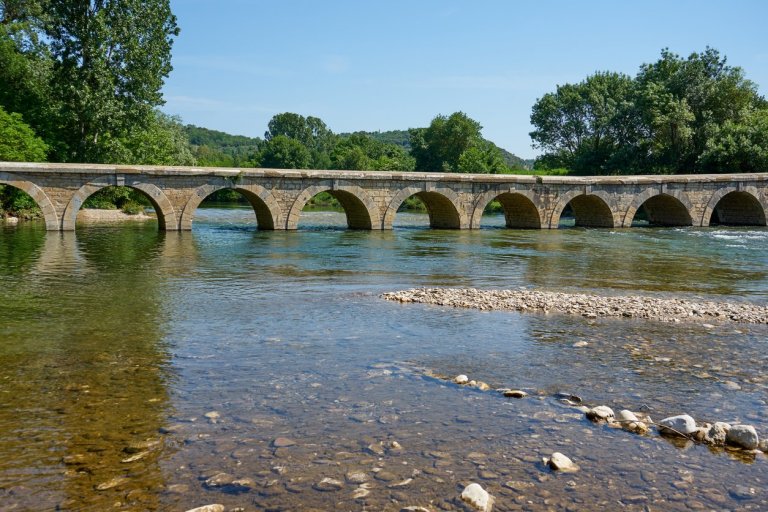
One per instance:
(117,340)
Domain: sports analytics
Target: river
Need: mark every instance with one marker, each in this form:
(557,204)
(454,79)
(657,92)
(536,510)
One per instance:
(164,371)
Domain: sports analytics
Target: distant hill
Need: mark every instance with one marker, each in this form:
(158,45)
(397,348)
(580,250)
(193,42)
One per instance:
(401,138)
(199,136)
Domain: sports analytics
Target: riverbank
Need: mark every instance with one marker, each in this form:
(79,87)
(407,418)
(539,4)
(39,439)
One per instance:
(588,306)
(94,215)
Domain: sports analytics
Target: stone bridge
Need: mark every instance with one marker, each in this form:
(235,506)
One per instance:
(371,199)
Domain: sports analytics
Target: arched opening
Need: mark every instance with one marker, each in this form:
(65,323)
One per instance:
(441,210)
(15,204)
(325,207)
(585,210)
(240,206)
(21,199)
(662,210)
(117,204)
(738,209)
(518,212)
(109,203)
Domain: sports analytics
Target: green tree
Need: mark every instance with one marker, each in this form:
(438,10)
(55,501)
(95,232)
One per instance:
(18,142)
(481,158)
(283,152)
(362,152)
(86,73)
(739,147)
(311,132)
(440,146)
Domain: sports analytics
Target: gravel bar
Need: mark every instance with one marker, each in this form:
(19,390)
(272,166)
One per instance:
(588,306)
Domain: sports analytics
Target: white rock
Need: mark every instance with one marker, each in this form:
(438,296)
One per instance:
(580,344)
(626,416)
(461,379)
(677,425)
(600,413)
(717,433)
(478,498)
(560,462)
(744,436)
(208,508)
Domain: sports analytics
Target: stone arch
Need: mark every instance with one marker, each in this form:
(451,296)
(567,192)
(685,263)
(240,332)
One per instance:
(361,211)
(443,206)
(735,207)
(265,206)
(166,215)
(38,195)
(591,210)
(521,208)
(670,208)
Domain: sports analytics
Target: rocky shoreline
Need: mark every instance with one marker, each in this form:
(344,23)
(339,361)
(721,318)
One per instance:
(585,305)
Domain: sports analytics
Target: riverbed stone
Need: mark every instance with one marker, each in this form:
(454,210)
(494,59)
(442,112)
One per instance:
(600,413)
(216,507)
(477,498)
(328,485)
(461,379)
(682,424)
(515,393)
(743,436)
(560,462)
(717,433)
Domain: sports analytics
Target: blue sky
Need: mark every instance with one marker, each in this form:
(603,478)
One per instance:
(375,65)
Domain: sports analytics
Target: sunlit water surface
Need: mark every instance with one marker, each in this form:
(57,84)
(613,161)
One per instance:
(117,341)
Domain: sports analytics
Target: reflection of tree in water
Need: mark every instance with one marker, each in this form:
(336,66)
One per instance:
(19,246)
(80,396)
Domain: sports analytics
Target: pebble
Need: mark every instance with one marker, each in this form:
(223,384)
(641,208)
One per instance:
(742,492)
(461,379)
(283,442)
(580,344)
(477,498)
(600,413)
(743,436)
(328,485)
(208,508)
(112,483)
(515,393)
(678,425)
(717,433)
(356,477)
(560,462)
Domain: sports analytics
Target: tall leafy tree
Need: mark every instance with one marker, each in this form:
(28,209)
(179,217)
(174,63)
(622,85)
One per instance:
(283,152)
(311,132)
(440,146)
(110,58)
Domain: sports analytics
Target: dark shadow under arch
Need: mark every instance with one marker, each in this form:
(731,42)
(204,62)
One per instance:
(359,209)
(519,211)
(663,210)
(738,209)
(589,211)
(264,206)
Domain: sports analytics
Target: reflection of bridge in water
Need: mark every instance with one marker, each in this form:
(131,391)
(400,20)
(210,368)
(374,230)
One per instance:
(371,199)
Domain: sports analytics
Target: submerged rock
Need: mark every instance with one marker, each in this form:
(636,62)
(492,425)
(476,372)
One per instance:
(682,425)
(208,508)
(560,462)
(328,485)
(477,498)
(743,436)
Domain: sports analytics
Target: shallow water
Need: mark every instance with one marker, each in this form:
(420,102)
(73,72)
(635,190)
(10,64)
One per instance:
(117,340)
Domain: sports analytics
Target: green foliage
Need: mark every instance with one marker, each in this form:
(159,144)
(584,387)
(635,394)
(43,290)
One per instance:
(676,116)
(117,198)
(18,142)
(361,152)
(283,152)
(213,148)
(310,132)
(454,144)
(397,137)
(86,75)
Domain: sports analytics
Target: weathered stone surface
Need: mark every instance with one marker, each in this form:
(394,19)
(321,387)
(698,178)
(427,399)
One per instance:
(461,379)
(717,433)
(477,498)
(743,436)
(600,413)
(560,462)
(458,200)
(208,508)
(678,425)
